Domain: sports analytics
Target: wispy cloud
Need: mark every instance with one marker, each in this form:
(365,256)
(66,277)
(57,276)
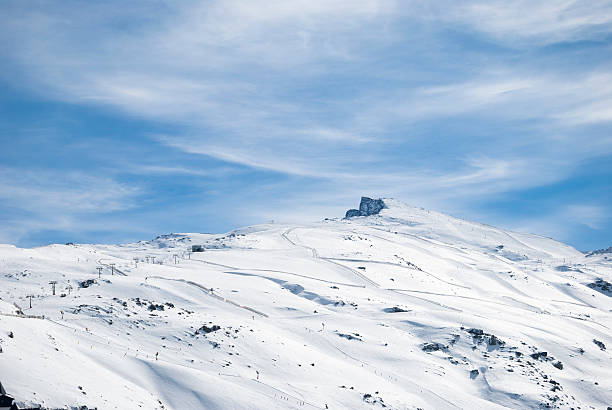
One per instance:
(564,222)
(593,216)
(63,192)
(579,98)
(544,22)
(179,170)
(35,200)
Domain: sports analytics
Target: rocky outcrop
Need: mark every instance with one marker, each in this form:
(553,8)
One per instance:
(352,212)
(367,207)
(599,251)
(602,286)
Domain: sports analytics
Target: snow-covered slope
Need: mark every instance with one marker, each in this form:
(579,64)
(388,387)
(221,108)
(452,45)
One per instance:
(405,309)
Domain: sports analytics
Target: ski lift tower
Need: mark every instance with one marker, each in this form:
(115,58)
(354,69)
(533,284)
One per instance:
(53,283)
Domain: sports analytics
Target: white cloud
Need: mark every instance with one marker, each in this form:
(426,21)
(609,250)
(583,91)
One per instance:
(528,22)
(558,101)
(38,200)
(63,193)
(560,222)
(593,216)
(179,170)
(227,70)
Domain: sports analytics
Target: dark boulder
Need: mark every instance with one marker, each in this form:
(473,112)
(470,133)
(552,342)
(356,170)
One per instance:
(475,332)
(350,337)
(86,283)
(602,286)
(367,207)
(205,329)
(352,212)
(599,344)
(155,306)
(433,347)
(539,355)
(495,341)
(395,309)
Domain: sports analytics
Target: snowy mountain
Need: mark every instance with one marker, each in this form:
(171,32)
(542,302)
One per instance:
(405,308)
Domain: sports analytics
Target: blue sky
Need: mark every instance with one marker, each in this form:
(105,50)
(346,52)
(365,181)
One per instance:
(121,121)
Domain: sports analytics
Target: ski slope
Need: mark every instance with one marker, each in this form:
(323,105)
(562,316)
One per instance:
(406,309)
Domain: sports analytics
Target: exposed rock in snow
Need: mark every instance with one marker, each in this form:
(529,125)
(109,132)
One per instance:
(205,329)
(433,347)
(539,355)
(87,283)
(367,207)
(599,344)
(599,251)
(354,336)
(352,213)
(602,286)
(395,309)
(475,332)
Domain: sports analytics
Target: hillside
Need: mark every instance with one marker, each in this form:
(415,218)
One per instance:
(404,309)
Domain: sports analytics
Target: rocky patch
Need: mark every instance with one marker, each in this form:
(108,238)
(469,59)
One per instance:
(395,309)
(87,283)
(354,336)
(367,207)
(601,286)
(433,347)
(599,344)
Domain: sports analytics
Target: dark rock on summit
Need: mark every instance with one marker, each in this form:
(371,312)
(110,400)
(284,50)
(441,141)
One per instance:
(367,207)
(352,212)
